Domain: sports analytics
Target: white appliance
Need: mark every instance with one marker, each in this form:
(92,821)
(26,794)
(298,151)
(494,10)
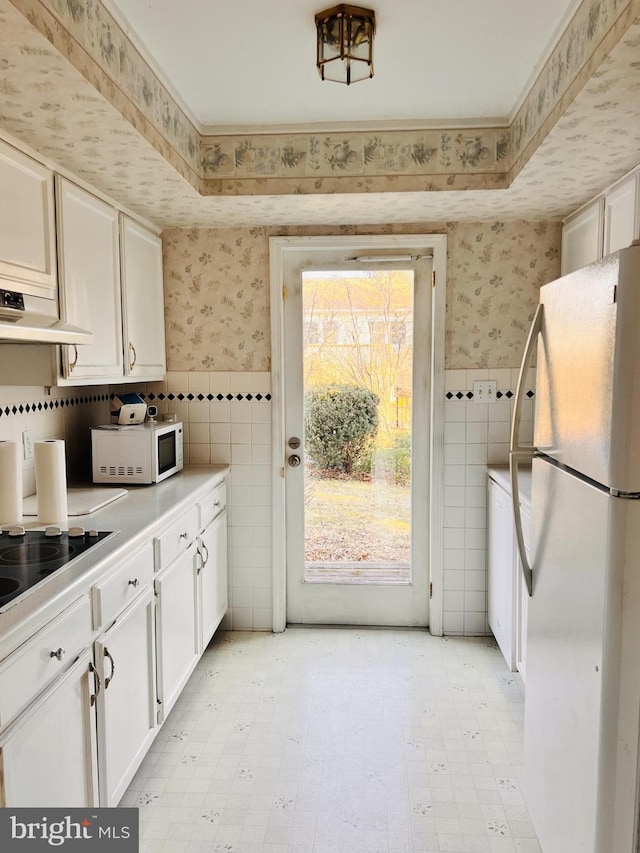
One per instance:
(27,318)
(146,453)
(582,698)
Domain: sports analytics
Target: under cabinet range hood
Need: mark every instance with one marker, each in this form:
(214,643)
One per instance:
(34,320)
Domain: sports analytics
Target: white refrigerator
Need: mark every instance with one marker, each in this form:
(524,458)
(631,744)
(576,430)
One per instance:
(582,696)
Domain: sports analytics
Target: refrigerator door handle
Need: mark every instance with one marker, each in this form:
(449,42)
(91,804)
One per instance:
(532,340)
(522,453)
(514,460)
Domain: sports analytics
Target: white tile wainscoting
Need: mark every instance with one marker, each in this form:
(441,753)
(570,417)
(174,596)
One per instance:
(475,435)
(228,420)
(61,413)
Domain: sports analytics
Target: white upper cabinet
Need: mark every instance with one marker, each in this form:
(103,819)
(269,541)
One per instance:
(27,225)
(89,282)
(582,238)
(622,215)
(111,284)
(611,222)
(143,301)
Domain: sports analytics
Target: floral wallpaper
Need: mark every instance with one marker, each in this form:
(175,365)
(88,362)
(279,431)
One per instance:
(217,292)
(315,156)
(216,299)
(48,104)
(476,158)
(594,30)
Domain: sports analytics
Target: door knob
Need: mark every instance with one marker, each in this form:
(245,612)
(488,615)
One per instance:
(294,460)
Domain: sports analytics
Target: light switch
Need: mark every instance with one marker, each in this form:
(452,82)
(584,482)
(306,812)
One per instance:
(485,392)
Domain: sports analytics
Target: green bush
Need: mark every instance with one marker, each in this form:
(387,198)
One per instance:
(340,423)
(402,457)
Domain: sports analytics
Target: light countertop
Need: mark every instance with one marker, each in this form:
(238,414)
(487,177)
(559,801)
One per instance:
(501,475)
(139,515)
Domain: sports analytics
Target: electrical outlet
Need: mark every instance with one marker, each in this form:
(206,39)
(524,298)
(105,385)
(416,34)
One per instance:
(485,392)
(27,443)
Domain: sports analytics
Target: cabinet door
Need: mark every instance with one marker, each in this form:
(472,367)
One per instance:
(621,215)
(501,571)
(125,659)
(27,229)
(143,301)
(176,625)
(582,239)
(213,594)
(48,755)
(90,282)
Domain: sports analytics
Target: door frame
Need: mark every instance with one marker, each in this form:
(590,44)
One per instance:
(279,247)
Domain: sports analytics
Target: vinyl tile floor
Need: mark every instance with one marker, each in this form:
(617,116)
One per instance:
(330,740)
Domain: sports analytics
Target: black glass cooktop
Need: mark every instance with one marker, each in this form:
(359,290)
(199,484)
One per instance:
(29,556)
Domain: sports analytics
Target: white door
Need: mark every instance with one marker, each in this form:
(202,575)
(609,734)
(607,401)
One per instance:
(125,658)
(357,337)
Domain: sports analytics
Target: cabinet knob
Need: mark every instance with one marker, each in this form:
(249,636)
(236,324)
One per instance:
(184,535)
(59,654)
(134,583)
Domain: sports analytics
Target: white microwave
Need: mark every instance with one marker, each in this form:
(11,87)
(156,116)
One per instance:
(145,453)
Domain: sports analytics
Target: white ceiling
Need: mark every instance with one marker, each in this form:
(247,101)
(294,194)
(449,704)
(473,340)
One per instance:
(251,63)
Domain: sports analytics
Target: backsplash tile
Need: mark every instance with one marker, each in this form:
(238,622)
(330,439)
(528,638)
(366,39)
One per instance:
(61,413)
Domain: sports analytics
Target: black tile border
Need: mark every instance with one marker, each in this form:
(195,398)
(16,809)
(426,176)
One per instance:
(210,398)
(50,405)
(468,395)
(10,410)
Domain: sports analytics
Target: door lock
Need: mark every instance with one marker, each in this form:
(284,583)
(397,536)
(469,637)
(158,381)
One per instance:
(294,460)
(294,443)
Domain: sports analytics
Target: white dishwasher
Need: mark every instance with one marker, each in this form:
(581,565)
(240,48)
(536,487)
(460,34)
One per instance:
(507,593)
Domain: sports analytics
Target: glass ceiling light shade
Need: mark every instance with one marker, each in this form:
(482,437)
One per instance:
(345,43)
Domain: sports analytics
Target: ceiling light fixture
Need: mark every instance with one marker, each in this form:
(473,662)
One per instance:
(345,43)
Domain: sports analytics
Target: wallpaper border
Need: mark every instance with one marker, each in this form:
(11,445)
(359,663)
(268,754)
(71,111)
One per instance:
(472,158)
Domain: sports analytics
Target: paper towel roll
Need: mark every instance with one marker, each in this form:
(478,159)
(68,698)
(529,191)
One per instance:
(51,483)
(10,482)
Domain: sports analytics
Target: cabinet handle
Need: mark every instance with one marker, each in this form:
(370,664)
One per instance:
(58,654)
(205,556)
(108,680)
(96,677)
(135,356)
(73,363)
(134,583)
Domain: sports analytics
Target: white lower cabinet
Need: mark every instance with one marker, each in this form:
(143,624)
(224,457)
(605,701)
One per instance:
(212,575)
(126,707)
(48,755)
(83,698)
(508,599)
(176,624)
(501,580)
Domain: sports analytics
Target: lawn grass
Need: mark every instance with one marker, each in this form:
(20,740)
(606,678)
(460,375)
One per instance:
(357,520)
